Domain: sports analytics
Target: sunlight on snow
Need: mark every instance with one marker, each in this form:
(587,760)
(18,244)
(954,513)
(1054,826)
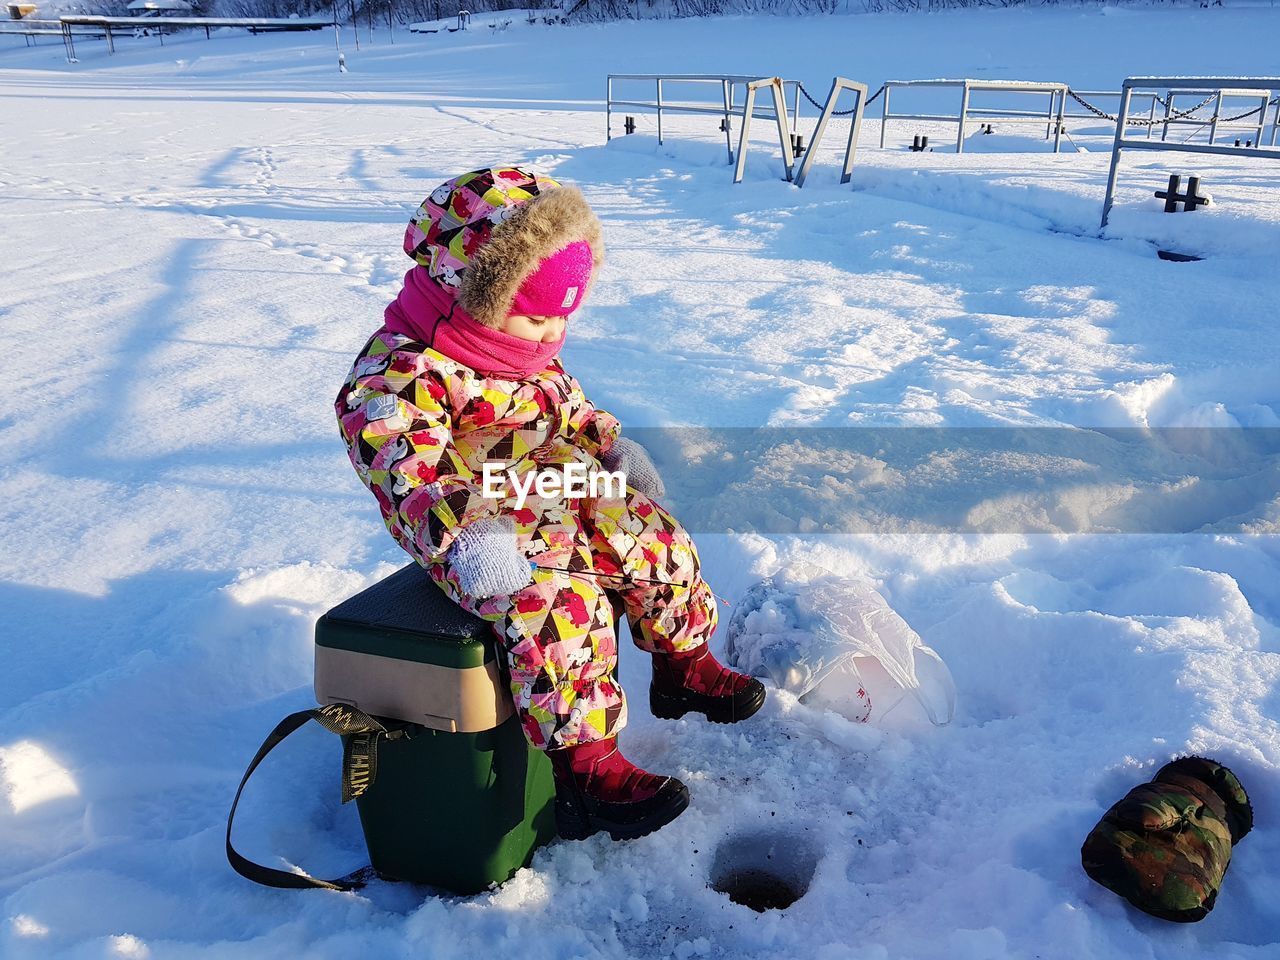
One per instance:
(29,776)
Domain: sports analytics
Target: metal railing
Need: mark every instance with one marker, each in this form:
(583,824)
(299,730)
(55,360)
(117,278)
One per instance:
(30,29)
(725,106)
(779,114)
(1224,86)
(774,109)
(1216,121)
(828,111)
(464,22)
(158,25)
(1111,95)
(1051,117)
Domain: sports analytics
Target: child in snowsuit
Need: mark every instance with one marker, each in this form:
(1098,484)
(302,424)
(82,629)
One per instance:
(464,373)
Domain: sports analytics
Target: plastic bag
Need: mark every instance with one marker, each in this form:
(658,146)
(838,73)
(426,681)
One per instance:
(836,641)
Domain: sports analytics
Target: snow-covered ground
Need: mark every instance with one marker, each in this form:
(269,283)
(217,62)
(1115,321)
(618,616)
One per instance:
(198,237)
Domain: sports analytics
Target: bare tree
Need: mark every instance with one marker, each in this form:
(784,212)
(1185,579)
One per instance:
(409,11)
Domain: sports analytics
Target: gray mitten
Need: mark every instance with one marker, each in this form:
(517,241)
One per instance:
(629,457)
(487,561)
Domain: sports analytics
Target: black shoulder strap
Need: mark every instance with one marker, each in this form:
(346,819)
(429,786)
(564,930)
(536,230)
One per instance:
(359,769)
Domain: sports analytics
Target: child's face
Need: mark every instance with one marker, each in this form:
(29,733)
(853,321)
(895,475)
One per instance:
(537,329)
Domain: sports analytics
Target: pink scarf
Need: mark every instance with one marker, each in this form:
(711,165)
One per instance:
(427,311)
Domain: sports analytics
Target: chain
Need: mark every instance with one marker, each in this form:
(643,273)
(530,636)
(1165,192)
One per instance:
(1089,106)
(1249,113)
(837,113)
(1175,115)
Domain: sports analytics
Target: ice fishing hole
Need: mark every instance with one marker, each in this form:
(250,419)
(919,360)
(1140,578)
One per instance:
(764,870)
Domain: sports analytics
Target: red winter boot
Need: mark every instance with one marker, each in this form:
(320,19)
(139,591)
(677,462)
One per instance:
(597,788)
(699,682)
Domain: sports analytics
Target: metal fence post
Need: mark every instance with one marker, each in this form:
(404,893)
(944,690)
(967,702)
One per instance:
(747,109)
(859,105)
(1062,106)
(784,134)
(1213,124)
(818,131)
(726,92)
(780,114)
(964,113)
(659,111)
(884,112)
(1122,119)
(608,107)
(1168,109)
(855,127)
(1151,118)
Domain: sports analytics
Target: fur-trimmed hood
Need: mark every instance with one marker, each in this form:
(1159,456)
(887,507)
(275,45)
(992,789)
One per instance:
(482,233)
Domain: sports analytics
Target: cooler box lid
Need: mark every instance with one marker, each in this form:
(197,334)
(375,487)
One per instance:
(407,617)
(402,649)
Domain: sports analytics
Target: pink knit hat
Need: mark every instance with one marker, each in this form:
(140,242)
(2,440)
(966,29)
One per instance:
(556,287)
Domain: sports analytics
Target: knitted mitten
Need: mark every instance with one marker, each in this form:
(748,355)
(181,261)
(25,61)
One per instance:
(629,457)
(487,561)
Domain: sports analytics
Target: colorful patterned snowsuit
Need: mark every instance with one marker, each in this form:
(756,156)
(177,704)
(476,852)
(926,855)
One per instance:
(419,427)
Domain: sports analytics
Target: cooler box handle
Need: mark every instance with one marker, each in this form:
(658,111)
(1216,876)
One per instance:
(361,734)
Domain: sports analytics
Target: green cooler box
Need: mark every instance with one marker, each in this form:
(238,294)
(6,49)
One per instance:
(462,801)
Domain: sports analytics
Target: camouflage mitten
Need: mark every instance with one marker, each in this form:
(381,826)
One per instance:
(1165,847)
